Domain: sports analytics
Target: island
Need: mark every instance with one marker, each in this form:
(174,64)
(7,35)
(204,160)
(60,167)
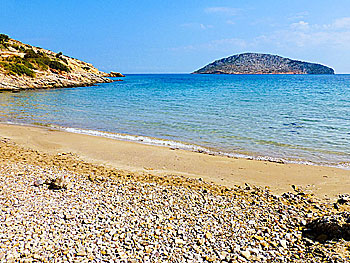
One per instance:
(23,66)
(256,63)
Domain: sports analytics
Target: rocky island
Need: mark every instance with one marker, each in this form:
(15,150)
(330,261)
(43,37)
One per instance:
(23,66)
(255,63)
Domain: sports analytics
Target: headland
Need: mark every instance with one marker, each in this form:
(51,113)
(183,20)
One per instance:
(23,66)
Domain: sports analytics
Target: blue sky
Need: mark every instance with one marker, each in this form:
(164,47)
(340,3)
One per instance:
(181,36)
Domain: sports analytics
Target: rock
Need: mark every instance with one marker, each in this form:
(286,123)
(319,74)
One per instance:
(343,199)
(68,216)
(284,244)
(246,254)
(38,182)
(81,253)
(59,183)
(115,75)
(329,227)
(179,241)
(208,235)
(322,238)
(155,218)
(201,241)
(223,255)
(37,257)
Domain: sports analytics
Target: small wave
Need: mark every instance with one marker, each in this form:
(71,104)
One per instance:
(194,148)
(181,145)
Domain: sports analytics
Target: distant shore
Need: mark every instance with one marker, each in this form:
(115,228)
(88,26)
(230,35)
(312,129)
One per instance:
(324,182)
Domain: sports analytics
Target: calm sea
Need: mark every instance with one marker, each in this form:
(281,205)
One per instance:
(299,118)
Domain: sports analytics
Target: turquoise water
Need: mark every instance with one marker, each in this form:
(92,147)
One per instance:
(303,118)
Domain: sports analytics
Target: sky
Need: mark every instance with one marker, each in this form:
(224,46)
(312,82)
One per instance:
(158,36)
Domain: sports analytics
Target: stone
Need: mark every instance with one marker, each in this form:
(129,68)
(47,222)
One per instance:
(343,199)
(38,182)
(59,183)
(179,241)
(246,254)
(334,227)
(113,74)
(156,218)
(284,244)
(208,235)
(81,253)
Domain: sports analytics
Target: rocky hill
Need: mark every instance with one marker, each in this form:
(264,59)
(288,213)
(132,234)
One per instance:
(254,63)
(26,67)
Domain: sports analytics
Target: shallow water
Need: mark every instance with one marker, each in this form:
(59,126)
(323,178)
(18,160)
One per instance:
(301,118)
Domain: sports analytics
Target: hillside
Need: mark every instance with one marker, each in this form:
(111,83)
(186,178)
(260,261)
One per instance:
(27,67)
(254,63)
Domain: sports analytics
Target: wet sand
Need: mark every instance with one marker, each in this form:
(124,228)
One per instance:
(324,182)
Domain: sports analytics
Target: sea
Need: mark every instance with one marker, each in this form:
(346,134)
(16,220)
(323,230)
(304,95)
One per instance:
(288,118)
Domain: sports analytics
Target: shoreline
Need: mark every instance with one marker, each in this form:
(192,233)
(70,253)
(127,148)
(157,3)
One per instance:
(84,205)
(15,89)
(180,145)
(324,182)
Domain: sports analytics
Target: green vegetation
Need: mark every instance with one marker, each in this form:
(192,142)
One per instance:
(59,55)
(30,53)
(17,65)
(19,60)
(15,46)
(44,62)
(4,38)
(58,66)
(17,69)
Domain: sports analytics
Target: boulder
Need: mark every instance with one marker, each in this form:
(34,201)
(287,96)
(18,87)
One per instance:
(329,228)
(58,183)
(113,74)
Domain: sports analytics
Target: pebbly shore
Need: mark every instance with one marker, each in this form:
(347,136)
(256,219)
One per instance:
(60,208)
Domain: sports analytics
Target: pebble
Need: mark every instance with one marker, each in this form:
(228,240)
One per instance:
(140,217)
(246,254)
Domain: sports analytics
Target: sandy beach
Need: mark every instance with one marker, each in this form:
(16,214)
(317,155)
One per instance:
(324,182)
(76,198)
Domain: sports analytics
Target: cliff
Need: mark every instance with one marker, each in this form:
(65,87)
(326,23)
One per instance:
(254,63)
(27,67)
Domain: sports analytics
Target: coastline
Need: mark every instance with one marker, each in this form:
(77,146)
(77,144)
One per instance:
(73,197)
(12,85)
(24,67)
(323,182)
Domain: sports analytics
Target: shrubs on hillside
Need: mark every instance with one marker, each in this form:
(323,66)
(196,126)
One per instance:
(4,38)
(30,53)
(3,41)
(17,65)
(18,69)
(44,62)
(58,66)
(59,54)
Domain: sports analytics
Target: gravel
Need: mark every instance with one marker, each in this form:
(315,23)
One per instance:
(99,214)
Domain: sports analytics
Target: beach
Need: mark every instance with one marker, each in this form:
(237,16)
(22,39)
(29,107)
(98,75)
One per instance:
(81,198)
(324,182)
(169,132)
